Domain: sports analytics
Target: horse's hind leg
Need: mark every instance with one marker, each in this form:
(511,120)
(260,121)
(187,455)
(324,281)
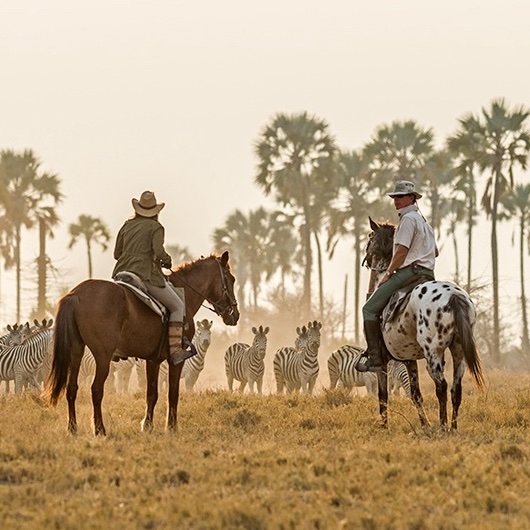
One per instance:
(415,393)
(151,371)
(76,353)
(98,387)
(456,388)
(435,367)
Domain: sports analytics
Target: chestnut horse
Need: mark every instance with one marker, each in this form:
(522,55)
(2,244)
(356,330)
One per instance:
(437,315)
(110,319)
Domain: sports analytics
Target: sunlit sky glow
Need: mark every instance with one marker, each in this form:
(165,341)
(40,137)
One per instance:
(121,96)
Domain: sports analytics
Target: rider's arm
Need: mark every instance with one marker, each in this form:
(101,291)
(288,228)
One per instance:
(398,258)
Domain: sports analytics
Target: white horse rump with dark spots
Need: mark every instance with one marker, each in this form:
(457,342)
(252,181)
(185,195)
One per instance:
(433,316)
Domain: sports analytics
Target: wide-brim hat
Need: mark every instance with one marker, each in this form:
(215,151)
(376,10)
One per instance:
(147,205)
(404,187)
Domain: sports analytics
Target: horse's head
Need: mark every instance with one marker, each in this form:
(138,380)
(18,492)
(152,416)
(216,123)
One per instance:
(223,298)
(380,245)
(378,250)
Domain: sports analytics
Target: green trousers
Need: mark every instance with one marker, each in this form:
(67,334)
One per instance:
(374,306)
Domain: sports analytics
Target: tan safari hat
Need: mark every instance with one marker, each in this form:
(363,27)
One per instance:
(404,187)
(147,205)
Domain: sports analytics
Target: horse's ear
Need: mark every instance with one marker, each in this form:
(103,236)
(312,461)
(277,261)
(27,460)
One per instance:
(224,258)
(373,225)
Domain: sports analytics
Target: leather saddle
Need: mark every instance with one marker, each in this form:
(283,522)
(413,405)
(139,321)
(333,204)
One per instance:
(400,299)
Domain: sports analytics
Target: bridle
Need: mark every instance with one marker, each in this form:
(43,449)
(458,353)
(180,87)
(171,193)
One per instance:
(221,310)
(229,308)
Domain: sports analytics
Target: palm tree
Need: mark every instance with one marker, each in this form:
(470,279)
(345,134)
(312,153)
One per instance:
(517,204)
(179,254)
(92,230)
(295,154)
(399,151)
(464,146)
(24,194)
(349,213)
(247,238)
(504,143)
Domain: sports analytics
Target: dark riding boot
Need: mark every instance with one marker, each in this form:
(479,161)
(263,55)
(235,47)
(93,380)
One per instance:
(372,359)
(177,354)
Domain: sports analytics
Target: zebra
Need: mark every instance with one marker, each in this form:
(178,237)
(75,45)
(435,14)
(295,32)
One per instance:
(341,370)
(190,372)
(245,363)
(22,362)
(297,367)
(16,335)
(398,377)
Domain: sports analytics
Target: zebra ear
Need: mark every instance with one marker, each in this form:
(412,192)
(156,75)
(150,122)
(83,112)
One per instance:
(36,322)
(50,322)
(254,330)
(298,330)
(266,330)
(9,328)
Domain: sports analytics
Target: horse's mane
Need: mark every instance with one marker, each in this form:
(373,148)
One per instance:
(187,264)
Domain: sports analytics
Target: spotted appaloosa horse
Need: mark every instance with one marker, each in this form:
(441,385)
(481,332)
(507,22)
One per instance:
(436,316)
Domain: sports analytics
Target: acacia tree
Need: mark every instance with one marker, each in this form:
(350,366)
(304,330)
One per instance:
(295,164)
(93,231)
(504,143)
(24,193)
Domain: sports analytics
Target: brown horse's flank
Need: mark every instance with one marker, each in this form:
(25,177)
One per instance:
(109,319)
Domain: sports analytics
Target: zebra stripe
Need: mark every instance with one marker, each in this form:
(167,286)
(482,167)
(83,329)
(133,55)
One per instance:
(297,367)
(398,377)
(341,369)
(22,362)
(245,363)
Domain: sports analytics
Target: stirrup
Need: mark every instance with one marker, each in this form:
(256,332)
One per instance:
(182,355)
(366,363)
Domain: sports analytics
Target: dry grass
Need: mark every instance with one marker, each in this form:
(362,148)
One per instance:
(285,462)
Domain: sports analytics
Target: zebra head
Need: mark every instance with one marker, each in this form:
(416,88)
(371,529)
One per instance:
(18,334)
(260,341)
(313,335)
(203,335)
(301,340)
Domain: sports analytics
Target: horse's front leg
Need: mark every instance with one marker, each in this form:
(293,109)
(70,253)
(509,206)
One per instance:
(382,392)
(415,392)
(152,370)
(173,395)
(98,389)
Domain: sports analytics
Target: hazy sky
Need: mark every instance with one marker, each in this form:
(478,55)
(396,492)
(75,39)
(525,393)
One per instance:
(122,96)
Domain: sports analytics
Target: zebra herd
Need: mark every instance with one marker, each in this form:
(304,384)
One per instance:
(25,358)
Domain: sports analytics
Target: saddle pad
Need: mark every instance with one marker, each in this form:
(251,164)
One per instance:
(144,296)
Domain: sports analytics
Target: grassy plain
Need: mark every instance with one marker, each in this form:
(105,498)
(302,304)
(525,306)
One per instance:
(270,462)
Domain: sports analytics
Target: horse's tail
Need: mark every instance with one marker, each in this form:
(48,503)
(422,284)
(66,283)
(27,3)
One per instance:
(462,311)
(65,332)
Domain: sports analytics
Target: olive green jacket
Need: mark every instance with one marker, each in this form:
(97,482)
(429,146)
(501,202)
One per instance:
(140,249)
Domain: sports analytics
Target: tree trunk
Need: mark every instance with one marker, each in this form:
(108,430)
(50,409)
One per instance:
(89,256)
(471,208)
(357,281)
(306,241)
(495,268)
(320,278)
(525,341)
(41,271)
(17,262)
